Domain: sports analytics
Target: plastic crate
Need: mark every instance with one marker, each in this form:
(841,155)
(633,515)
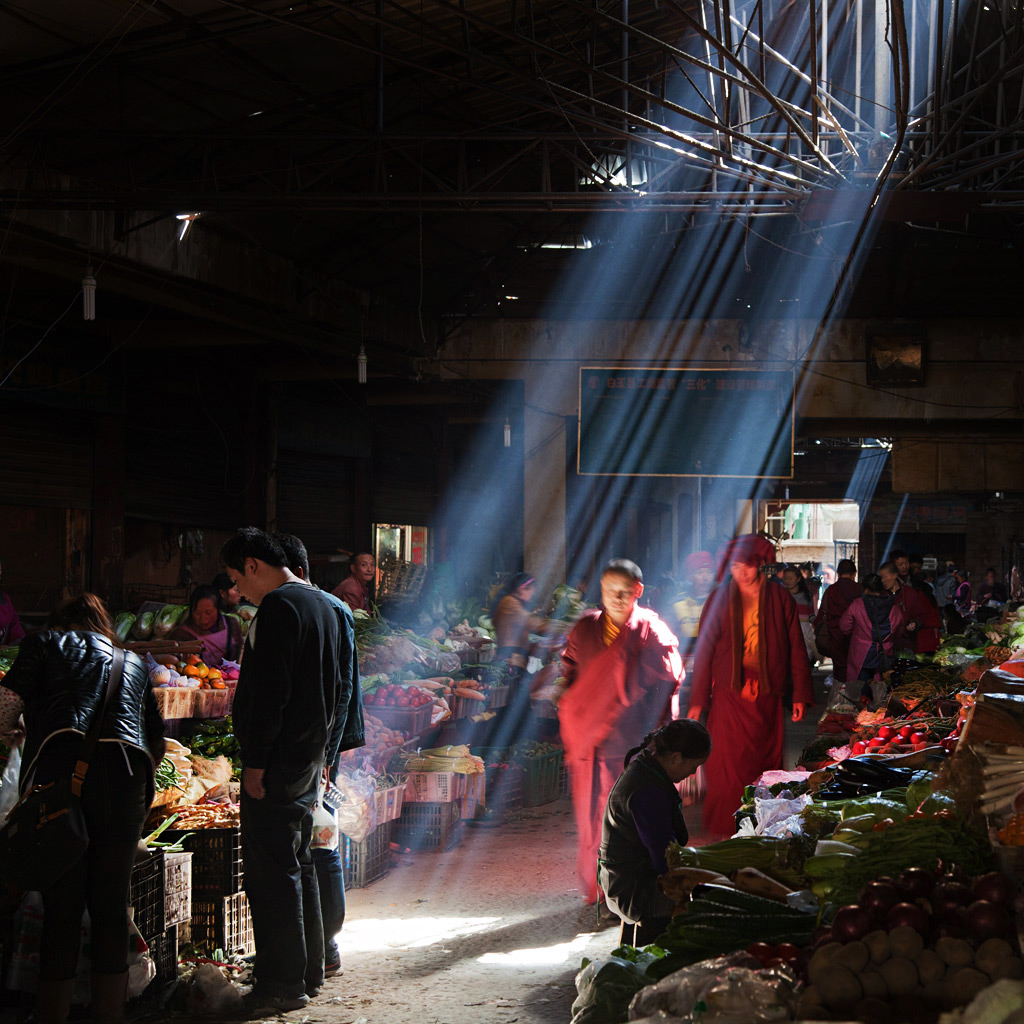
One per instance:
(411,721)
(563,779)
(222,922)
(540,778)
(146,895)
(434,787)
(366,862)
(216,859)
(474,797)
(177,888)
(175,701)
(428,827)
(498,696)
(505,789)
(388,803)
(210,703)
(163,949)
(229,689)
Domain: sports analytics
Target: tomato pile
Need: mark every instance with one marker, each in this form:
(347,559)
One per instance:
(392,695)
(917,732)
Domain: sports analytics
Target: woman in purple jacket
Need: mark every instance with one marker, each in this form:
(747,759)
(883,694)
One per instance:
(871,622)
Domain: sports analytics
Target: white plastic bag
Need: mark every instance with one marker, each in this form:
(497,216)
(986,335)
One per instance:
(357,814)
(325,822)
(9,782)
(210,994)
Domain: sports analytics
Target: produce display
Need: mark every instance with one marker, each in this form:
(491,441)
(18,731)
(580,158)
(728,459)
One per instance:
(890,891)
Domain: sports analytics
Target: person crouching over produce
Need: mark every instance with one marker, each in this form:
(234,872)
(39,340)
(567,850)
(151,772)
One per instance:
(642,817)
(220,634)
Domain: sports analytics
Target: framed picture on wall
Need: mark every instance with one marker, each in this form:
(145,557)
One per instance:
(896,358)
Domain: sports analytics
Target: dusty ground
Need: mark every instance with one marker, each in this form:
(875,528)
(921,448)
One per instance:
(491,932)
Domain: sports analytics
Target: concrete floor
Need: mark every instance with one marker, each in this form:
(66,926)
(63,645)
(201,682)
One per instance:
(491,932)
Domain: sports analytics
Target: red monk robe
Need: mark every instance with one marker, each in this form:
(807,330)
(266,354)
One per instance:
(615,695)
(745,717)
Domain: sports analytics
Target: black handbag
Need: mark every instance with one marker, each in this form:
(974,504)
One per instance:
(45,835)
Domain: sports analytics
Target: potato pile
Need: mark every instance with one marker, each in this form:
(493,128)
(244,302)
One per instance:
(893,976)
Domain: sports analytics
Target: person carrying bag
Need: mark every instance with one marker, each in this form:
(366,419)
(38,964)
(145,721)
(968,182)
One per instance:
(92,738)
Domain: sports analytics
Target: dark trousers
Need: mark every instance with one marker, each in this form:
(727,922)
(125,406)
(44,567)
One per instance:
(280,882)
(115,797)
(331,882)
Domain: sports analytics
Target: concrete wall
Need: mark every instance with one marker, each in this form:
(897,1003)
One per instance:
(971,374)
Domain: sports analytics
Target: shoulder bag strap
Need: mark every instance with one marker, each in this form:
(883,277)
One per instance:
(93,735)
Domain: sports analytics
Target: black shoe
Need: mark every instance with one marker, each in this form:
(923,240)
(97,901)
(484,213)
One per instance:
(257,1004)
(312,991)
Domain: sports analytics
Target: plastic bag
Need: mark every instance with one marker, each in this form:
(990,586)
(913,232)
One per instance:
(733,988)
(210,994)
(604,989)
(9,782)
(778,817)
(325,821)
(23,969)
(357,814)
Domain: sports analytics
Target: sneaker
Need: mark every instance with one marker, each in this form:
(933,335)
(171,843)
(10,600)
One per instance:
(257,1004)
(333,969)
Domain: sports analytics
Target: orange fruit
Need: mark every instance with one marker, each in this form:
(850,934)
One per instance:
(193,659)
(213,673)
(202,670)
(192,671)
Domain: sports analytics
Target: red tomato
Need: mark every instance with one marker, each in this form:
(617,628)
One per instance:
(906,732)
(881,826)
(876,742)
(761,951)
(886,732)
(787,951)
(918,737)
(858,748)
(402,702)
(774,961)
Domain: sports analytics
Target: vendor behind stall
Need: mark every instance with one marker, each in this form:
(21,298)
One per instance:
(220,634)
(642,817)
(513,621)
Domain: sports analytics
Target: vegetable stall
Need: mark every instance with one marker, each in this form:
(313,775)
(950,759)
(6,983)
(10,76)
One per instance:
(881,882)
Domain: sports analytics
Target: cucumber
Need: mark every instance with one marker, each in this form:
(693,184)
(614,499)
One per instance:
(723,896)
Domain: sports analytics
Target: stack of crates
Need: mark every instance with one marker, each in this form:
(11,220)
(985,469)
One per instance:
(220,916)
(431,818)
(503,781)
(160,893)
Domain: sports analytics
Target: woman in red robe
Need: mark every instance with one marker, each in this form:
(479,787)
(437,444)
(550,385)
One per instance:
(749,651)
(621,665)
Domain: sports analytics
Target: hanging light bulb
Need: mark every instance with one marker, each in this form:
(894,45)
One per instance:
(508,433)
(88,295)
(361,365)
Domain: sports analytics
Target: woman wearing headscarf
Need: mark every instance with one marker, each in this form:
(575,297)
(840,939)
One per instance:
(750,653)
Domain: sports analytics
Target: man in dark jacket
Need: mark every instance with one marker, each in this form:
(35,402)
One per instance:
(289,694)
(836,600)
(347,734)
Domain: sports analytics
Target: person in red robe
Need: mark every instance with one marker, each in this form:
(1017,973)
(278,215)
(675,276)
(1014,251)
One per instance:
(621,666)
(749,651)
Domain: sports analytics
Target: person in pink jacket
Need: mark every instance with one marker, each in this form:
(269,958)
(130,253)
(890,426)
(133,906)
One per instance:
(872,622)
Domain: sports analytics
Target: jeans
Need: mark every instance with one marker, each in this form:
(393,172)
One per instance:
(115,798)
(331,883)
(280,882)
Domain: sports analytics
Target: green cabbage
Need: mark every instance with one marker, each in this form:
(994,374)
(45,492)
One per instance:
(143,627)
(123,623)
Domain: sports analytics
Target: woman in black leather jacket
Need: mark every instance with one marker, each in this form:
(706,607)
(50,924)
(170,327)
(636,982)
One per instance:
(57,683)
